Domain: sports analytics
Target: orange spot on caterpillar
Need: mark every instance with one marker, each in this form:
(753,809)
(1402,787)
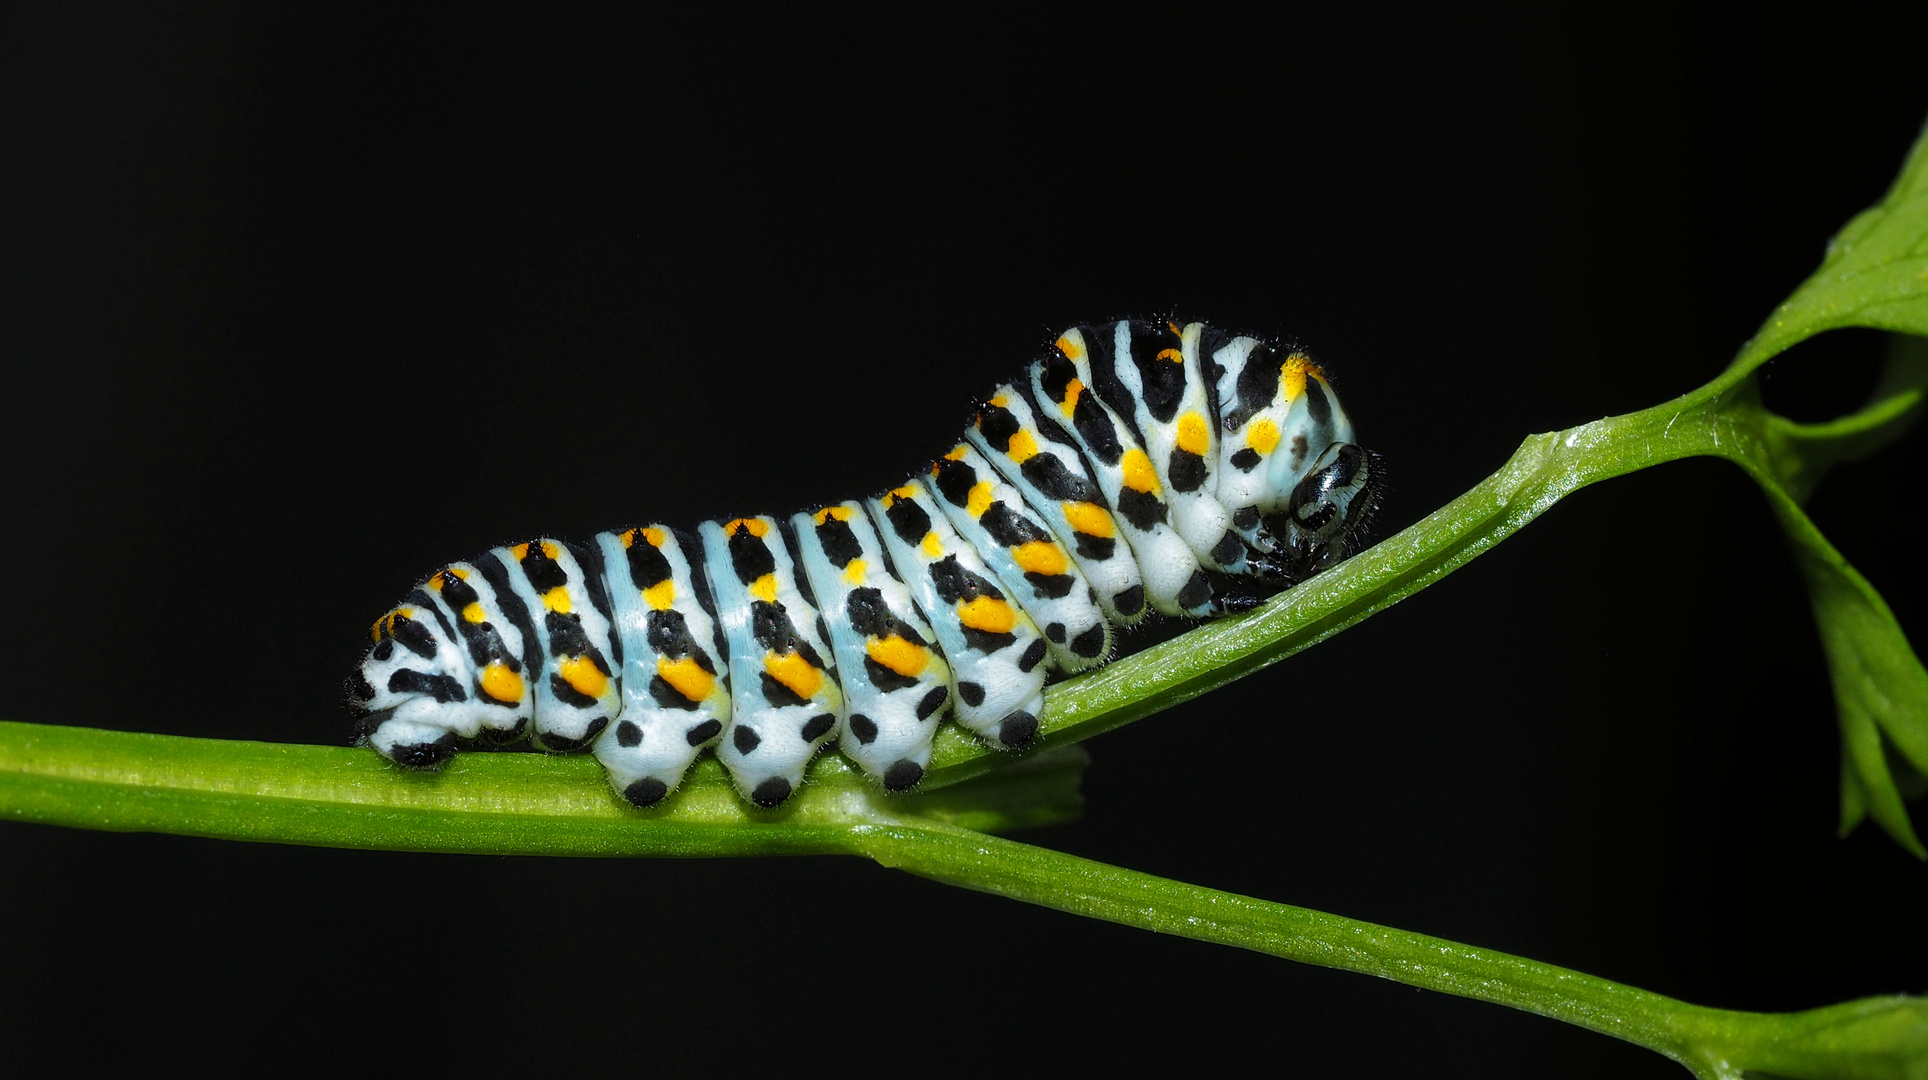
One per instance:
(1039,557)
(661,596)
(1023,447)
(898,655)
(502,684)
(979,500)
(1139,475)
(985,613)
(687,677)
(583,676)
(793,671)
(385,626)
(1262,436)
(1194,434)
(1292,375)
(1070,403)
(1088,518)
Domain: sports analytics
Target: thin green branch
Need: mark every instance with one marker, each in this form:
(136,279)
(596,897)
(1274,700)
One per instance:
(1801,454)
(1874,1037)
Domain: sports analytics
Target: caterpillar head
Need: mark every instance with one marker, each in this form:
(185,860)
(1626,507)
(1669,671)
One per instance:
(1329,509)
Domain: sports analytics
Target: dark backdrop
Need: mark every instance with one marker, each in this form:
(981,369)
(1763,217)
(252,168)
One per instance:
(302,304)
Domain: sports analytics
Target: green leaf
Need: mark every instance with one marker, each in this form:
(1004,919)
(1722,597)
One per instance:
(1875,273)
(1879,685)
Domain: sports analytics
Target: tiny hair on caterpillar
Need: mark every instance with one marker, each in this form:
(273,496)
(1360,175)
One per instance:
(1135,466)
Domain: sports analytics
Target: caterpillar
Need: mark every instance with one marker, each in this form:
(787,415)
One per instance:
(1134,467)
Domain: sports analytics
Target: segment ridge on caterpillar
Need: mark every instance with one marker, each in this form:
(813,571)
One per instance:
(1135,466)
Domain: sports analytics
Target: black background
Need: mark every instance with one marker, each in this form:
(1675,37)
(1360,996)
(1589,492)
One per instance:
(305,303)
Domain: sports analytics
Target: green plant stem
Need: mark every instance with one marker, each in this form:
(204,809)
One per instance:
(1713,1043)
(526,804)
(494,804)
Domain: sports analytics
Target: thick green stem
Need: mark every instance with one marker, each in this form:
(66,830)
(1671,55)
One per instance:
(503,804)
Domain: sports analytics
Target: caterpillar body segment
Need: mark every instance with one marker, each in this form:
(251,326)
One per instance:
(1134,466)
(1037,573)
(1175,582)
(1253,430)
(567,617)
(996,652)
(499,652)
(676,697)
(1043,463)
(787,702)
(896,685)
(1276,413)
(1152,377)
